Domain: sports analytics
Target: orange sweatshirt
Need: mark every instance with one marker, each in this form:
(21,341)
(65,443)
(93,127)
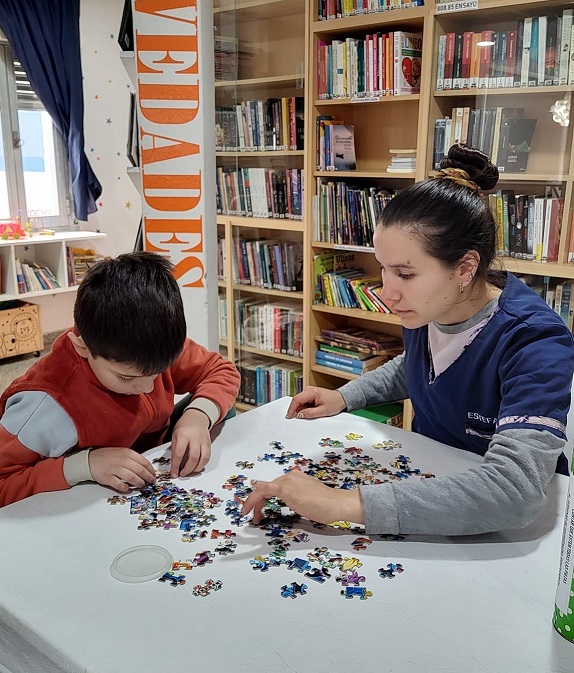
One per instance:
(31,459)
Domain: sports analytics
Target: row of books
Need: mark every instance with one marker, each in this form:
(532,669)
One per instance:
(347,214)
(356,345)
(260,192)
(263,381)
(268,264)
(276,328)
(352,289)
(337,9)
(261,125)
(502,133)
(339,352)
(403,161)
(336,145)
(33,277)
(536,51)
(558,294)
(528,225)
(79,261)
(381,64)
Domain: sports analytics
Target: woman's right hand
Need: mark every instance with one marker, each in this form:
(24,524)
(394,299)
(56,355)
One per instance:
(316,403)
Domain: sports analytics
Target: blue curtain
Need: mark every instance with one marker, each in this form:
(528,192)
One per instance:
(45,37)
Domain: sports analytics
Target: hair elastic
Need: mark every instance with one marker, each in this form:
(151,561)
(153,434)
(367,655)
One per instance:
(458,175)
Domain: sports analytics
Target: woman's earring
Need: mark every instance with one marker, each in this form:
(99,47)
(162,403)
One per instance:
(461,288)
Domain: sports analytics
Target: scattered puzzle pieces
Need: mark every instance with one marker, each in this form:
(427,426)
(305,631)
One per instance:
(361,592)
(204,590)
(353,436)
(390,570)
(173,579)
(117,500)
(293,590)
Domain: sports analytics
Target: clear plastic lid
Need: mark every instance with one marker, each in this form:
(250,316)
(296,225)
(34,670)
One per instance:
(141,564)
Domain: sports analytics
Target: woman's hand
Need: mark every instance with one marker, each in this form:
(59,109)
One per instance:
(316,403)
(308,497)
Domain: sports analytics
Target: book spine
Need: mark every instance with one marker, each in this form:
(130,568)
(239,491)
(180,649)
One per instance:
(466,60)
(510,59)
(449,61)
(440,63)
(337,365)
(565,45)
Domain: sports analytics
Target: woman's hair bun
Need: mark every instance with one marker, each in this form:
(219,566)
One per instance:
(479,167)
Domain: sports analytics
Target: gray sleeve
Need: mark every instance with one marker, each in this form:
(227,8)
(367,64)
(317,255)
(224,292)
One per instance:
(506,491)
(385,384)
(40,423)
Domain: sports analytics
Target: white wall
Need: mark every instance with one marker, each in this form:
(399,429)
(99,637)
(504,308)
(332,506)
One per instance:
(106,97)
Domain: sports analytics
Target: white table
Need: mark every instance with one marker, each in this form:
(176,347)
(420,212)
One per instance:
(463,605)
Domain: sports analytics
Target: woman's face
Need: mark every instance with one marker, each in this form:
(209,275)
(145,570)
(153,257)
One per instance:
(417,287)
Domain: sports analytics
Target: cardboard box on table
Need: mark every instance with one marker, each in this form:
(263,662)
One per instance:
(20,329)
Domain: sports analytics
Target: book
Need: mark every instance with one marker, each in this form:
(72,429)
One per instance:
(520,134)
(359,366)
(389,414)
(407,53)
(343,147)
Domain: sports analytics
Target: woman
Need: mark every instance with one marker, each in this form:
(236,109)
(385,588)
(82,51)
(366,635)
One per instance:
(487,364)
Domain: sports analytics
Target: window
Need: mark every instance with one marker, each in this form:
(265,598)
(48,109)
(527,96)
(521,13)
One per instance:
(34,176)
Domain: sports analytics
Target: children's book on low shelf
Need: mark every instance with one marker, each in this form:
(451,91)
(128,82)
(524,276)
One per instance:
(343,147)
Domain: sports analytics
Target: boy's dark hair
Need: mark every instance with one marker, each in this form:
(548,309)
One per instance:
(449,217)
(129,310)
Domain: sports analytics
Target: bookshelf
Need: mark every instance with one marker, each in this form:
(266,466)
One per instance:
(382,122)
(374,116)
(260,67)
(524,65)
(46,251)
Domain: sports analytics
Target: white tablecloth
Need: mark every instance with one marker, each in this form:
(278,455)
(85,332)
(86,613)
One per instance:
(463,605)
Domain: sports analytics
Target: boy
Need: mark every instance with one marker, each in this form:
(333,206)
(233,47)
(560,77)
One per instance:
(105,392)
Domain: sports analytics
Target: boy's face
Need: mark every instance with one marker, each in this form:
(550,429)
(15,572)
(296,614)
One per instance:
(120,378)
(115,376)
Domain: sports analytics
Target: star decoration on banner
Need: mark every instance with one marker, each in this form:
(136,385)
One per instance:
(101,204)
(92,149)
(112,36)
(96,97)
(109,120)
(26,248)
(128,204)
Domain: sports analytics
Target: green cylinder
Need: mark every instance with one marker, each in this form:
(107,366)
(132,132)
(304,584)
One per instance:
(563,619)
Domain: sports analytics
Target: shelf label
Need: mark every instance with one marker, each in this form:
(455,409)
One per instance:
(353,248)
(365,99)
(456,6)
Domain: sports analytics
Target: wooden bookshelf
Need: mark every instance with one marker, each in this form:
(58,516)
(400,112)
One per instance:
(380,123)
(407,121)
(270,36)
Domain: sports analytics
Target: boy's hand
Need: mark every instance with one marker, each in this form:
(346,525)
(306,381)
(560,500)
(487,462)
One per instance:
(120,468)
(190,443)
(308,497)
(316,403)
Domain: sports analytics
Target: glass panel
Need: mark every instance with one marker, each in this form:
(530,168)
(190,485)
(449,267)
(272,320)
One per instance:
(259,85)
(4,202)
(39,165)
